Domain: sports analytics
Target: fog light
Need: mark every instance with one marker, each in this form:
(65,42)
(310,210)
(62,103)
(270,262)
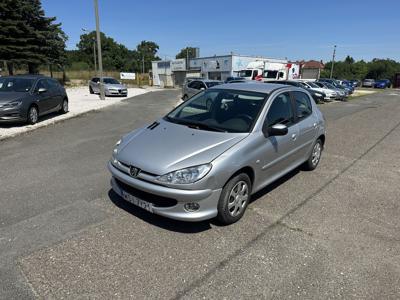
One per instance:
(191,206)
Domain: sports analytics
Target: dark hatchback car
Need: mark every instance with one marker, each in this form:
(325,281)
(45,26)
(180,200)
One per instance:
(317,96)
(25,98)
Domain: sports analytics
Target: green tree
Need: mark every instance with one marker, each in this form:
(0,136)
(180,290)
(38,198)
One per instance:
(187,52)
(27,36)
(146,52)
(114,54)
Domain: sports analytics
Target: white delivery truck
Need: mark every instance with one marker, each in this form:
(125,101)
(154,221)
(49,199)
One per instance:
(266,70)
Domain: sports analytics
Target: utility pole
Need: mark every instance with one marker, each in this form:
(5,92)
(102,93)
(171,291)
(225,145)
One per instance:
(142,64)
(96,11)
(187,58)
(333,60)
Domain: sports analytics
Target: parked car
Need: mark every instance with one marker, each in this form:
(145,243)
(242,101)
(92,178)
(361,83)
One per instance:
(338,84)
(329,94)
(355,82)
(207,157)
(382,84)
(196,86)
(236,79)
(317,96)
(25,98)
(368,83)
(341,93)
(112,87)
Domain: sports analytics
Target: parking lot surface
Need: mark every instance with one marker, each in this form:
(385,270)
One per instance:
(331,233)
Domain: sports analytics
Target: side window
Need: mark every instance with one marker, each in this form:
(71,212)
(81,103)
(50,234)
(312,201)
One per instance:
(280,111)
(51,83)
(193,85)
(95,79)
(202,85)
(303,105)
(41,84)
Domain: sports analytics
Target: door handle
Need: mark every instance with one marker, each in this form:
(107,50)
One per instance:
(294,136)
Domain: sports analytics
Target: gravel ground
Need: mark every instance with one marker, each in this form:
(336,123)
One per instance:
(80,102)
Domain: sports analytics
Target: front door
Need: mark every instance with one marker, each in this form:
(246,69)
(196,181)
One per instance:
(43,99)
(279,152)
(307,122)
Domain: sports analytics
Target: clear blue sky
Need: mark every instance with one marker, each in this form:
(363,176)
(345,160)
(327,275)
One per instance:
(305,29)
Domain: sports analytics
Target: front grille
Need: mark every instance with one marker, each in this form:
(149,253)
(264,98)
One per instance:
(157,201)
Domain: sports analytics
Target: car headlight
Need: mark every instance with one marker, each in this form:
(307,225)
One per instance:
(115,151)
(185,176)
(318,94)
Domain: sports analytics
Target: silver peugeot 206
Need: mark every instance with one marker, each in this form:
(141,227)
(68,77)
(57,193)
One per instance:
(210,154)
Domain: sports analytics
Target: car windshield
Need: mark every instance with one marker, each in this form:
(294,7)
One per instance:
(110,81)
(22,85)
(245,73)
(212,83)
(220,110)
(313,85)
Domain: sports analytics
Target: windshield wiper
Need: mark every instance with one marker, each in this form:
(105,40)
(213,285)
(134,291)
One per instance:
(194,124)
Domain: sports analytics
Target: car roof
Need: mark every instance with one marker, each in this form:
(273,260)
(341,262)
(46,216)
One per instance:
(27,76)
(259,87)
(209,80)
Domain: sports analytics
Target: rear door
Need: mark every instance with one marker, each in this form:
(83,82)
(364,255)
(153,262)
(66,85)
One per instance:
(55,94)
(307,123)
(193,88)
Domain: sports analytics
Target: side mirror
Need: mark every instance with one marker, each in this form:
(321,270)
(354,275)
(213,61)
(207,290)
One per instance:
(42,90)
(275,130)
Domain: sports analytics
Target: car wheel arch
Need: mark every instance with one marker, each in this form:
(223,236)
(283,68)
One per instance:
(246,170)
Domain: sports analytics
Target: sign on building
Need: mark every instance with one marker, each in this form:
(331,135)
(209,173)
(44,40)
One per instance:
(178,65)
(127,76)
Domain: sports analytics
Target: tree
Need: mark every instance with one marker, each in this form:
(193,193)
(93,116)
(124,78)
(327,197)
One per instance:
(189,52)
(147,52)
(114,54)
(27,36)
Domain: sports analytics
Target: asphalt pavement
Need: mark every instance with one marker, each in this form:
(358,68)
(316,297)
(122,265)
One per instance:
(330,233)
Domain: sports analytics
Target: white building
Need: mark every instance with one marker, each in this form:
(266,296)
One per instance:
(174,72)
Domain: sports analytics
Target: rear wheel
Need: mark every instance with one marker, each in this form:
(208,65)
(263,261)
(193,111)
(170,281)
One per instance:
(234,199)
(64,107)
(33,115)
(315,156)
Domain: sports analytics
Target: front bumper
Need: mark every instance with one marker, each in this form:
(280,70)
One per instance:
(120,92)
(11,115)
(207,199)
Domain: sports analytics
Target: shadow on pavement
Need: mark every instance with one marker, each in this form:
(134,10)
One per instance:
(162,222)
(189,227)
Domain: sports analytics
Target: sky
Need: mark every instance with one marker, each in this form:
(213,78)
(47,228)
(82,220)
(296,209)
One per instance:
(292,29)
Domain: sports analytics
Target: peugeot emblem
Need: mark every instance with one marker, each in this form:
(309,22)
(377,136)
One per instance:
(134,171)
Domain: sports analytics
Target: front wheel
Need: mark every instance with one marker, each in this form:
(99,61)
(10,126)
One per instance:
(315,156)
(91,90)
(33,115)
(234,199)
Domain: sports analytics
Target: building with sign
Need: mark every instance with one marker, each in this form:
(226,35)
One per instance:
(174,72)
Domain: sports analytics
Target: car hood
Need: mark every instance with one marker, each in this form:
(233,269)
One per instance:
(169,147)
(6,97)
(115,86)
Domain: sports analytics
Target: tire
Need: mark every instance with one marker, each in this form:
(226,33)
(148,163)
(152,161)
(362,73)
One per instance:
(315,156)
(33,115)
(64,106)
(235,197)
(91,90)
(185,97)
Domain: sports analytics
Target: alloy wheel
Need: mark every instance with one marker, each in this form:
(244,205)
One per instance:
(238,198)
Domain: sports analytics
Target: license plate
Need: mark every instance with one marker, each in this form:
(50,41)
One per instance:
(138,202)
